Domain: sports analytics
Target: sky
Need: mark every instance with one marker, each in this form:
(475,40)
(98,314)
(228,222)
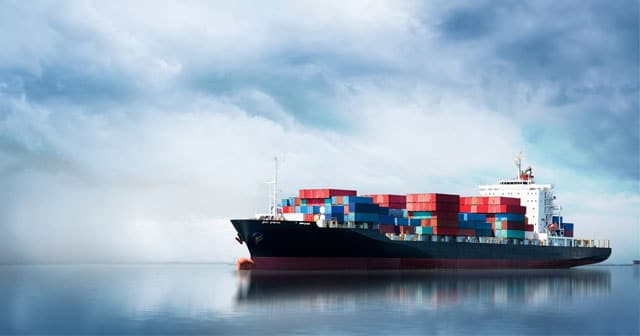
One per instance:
(133,131)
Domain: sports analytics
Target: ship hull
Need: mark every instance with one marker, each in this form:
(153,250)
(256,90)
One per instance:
(290,245)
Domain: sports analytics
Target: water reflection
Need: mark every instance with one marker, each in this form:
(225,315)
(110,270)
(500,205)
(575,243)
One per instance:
(215,299)
(424,288)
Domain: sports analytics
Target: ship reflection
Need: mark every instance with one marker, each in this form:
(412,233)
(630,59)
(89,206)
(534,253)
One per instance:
(436,288)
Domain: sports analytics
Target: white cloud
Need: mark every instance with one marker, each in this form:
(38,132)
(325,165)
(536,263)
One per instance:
(148,173)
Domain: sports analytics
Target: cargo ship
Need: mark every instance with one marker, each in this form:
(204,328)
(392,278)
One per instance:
(511,224)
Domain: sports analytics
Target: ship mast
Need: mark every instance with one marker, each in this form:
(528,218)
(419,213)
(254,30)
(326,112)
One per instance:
(273,195)
(518,162)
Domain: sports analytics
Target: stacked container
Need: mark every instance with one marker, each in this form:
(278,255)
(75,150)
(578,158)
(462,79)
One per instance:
(390,201)
(505,215)
(439,212)
(476,222)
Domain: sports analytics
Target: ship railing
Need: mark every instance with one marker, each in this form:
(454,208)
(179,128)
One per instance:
(555,241)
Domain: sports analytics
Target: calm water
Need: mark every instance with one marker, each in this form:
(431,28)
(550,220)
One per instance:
(216,299)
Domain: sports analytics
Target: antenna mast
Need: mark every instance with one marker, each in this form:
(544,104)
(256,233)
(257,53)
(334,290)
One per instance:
(274,208)
(518,162)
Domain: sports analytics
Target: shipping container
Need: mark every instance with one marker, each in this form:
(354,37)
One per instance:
(510,234)
(474,200)
(444,222)
(414,222)
(466,225)
(396,213)
(363,207)
(386,228)
(445,231)
(484,233)
(433,197)
(387,220)
(363,217)
(401,221)
(293,216)
(426,230)
(432,206)
(509,225)
(464,216)
(325,193)
(503,201)
(346,200)
(510,217)
(513,209)
(466,232)
(407,229)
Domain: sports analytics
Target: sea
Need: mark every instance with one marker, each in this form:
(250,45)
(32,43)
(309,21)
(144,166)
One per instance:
(217,299)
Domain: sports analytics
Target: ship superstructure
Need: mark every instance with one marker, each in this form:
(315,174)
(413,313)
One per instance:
(537,198)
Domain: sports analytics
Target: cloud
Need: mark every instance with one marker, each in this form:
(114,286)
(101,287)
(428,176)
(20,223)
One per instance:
(130,135)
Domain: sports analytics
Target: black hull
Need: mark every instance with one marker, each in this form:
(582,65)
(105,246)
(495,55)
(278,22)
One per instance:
(292,245)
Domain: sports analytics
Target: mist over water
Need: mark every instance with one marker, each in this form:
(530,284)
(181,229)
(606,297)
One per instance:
(217,299)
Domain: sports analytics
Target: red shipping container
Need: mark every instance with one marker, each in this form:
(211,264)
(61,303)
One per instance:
(474,200)
(387,228)
(433,197)
(393,205)
(425,222)
(288,209)
(474,208)
(388,198)
(504,201)
(444,222)
(308,218)
(513,209)
(314,201)
(528,227)
(466,232)
(445,215)
(445,231)
(338,199)
(432,206)
(346,209)
(512,225)
(296,201)
(407,229)
(325,193)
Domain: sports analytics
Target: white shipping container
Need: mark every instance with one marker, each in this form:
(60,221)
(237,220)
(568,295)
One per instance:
(294,216)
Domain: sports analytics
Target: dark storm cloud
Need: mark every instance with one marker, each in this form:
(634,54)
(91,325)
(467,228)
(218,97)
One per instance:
(477,20)
(581,57)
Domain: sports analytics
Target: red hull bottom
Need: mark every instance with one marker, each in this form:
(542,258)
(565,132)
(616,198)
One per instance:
(312,263)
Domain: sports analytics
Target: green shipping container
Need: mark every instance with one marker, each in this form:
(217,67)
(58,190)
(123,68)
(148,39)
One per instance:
(424,230)
(510,234)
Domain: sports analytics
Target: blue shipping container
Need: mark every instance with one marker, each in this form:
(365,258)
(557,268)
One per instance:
(510,217)
(364,207)
(467,225)
(334,209)
(363,217)
(356,199)
(476,217)
(483,226)
(396,213)
(384,219)
(401,221)
(414,222)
